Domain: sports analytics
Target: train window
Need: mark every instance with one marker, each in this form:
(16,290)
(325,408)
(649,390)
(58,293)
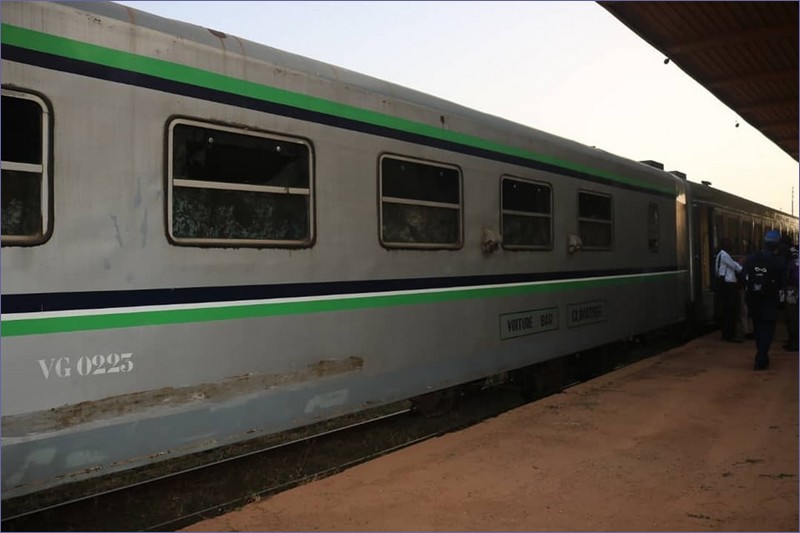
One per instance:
(595,220)
(229,186)
(526,221)
(25,157)
(653,228)
(420,204)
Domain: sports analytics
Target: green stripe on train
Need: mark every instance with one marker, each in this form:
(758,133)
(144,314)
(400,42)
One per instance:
(60,46)
(43,326)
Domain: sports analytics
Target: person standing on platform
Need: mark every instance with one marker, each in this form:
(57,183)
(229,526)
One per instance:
(726,272)
(764,279)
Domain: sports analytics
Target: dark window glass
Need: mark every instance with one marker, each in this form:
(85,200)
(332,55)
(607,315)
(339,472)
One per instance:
(594,206)
(219,214)
(526,221)
(24,169)
(420,204)
(525,196)
(239,186)
(208,154)
(594,235)
(21,203)
(595,223)
(420,181)
(21,130)
(417,224)
(526,231)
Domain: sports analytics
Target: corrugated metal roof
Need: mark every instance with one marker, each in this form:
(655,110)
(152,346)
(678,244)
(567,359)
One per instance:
(745,53)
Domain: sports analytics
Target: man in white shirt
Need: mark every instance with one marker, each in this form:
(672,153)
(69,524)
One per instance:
(726,270)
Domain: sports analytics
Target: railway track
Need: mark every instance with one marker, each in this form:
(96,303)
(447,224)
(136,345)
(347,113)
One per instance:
(181,497)
(176,494)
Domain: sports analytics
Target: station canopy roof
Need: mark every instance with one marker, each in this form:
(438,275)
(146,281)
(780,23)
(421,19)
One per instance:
(744,53)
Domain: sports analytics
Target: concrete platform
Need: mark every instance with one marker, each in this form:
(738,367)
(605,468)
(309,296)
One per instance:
(690,440)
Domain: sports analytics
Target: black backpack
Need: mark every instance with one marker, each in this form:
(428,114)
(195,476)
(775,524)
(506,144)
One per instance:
(760,277)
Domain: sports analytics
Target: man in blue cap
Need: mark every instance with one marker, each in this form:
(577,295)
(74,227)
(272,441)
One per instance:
(764,279)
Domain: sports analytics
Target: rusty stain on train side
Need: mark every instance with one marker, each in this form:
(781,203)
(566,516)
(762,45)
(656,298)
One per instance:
(67,416)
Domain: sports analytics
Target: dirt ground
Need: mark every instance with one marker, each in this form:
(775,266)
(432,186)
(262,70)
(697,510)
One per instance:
(690,440)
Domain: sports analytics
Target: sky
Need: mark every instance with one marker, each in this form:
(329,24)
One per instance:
(566,68)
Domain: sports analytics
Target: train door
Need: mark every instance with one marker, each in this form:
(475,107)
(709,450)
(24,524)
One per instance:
(704,255)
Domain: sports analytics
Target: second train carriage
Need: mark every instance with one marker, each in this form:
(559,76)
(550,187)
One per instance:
(716,215)
(207,240)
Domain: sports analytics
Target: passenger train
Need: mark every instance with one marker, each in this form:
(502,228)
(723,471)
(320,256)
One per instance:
(207,240)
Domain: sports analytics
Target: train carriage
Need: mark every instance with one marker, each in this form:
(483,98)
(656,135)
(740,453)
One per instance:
(206,240)
(716,215)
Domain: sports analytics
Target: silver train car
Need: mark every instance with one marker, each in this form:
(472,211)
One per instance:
(207,240)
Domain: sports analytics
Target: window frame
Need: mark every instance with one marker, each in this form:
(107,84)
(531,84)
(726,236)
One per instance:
(532,214)
(610,221)
(309,192)
(424,203)
(43,170)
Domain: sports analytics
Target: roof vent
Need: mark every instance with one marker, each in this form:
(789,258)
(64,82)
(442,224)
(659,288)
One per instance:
(706,183)
(678,173)
(654,164)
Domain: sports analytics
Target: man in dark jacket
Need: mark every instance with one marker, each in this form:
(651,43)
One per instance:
(764,279)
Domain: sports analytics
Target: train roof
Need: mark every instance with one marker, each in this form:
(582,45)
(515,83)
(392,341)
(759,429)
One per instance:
(492,129)
(704,193)
(287,60)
